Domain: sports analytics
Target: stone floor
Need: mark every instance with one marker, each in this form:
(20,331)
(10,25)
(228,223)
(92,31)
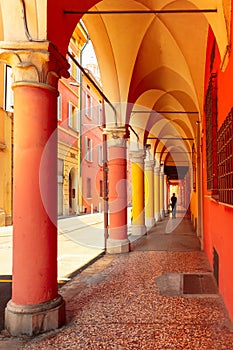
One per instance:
(116,303)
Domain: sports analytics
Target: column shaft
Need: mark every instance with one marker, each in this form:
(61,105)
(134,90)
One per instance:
(117,241)
(138,214)
(157,214)
(35,306)
(35,233)
(149,194)
(162,195)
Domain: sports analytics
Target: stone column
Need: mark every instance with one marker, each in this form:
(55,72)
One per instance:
(166,200)
(35,306)
(117,241)
(149,194)
(157,214)
(162,212)
(138,214)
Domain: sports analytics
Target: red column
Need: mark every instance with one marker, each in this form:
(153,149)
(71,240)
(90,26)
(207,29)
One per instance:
(34,230)
(35,305)
(117,241)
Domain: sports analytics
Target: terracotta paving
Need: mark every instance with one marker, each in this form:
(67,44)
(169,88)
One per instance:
(116,304)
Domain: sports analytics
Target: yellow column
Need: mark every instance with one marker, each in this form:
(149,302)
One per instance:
(138,214)
(162,213)
(149,194)
(157,214)
(166,200)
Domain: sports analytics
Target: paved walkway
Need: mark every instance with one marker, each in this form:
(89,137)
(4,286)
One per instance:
(143,300)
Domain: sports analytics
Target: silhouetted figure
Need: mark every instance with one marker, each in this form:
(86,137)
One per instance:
(173,205)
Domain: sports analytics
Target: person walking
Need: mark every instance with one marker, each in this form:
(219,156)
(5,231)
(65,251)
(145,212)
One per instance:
(173,205)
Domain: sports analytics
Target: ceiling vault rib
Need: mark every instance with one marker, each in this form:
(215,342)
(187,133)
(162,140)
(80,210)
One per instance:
(168,112)
(125,12)
(170,138)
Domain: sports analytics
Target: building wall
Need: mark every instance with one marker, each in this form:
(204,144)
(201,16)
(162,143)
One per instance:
(6,168)
(68,152)
(6,135)
(91,164)
(69,131)
(218,217)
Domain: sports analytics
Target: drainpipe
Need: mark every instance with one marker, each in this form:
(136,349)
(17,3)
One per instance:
(105,178)
(80,125)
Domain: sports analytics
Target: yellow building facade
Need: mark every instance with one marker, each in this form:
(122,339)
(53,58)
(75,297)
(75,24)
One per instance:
(6,140)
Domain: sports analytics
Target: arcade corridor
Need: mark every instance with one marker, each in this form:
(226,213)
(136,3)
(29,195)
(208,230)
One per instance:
(141,300)
(166,121)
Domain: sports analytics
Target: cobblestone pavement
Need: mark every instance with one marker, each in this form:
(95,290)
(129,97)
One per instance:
(116,304)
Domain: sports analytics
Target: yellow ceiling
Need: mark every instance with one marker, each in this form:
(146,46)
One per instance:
(157,61)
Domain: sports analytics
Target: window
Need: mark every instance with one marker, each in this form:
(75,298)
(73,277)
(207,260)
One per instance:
(211,134)
(225,160)
(99,116)
(100,155)
(101,188)
(59,107)
(88,187)
(88,149)
(88,105)
(73,116)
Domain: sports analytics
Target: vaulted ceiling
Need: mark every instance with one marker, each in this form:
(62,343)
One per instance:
(155,61)
(151,55)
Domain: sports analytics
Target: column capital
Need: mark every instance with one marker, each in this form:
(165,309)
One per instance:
(149,164)
(34,63)
(156,169)
(137,156)
(116,137)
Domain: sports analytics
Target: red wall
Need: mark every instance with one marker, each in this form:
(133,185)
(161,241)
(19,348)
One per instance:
(91,169)
(218,218)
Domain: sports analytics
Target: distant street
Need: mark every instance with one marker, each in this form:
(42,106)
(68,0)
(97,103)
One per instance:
(86,230)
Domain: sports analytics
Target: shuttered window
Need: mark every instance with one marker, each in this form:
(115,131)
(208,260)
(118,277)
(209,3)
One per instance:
(88,149)
(73,116)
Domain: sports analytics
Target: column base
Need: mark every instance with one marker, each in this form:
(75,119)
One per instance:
(162,214)
(150,222)
(138,230)
(115,246)
(157,217)
(34,319)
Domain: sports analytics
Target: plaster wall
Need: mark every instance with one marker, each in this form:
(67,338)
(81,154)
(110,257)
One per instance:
(218,217)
